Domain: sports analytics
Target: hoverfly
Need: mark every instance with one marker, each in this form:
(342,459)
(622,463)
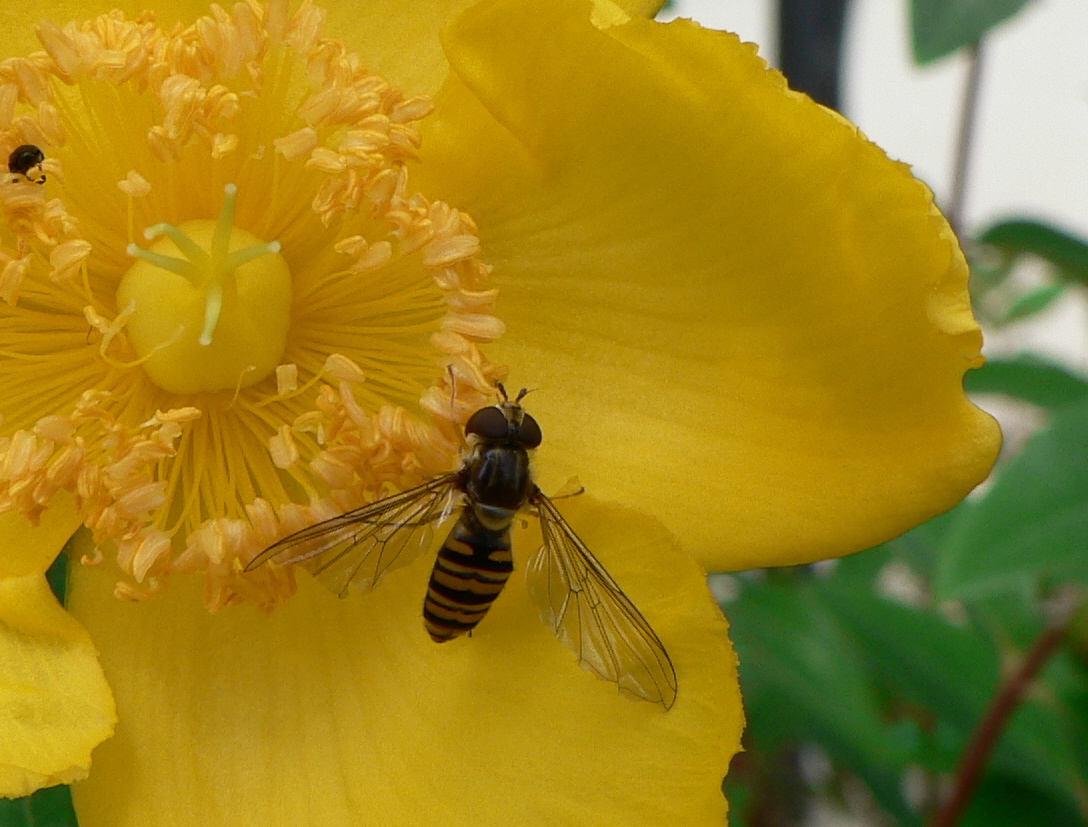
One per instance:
(578,599)
(26,159)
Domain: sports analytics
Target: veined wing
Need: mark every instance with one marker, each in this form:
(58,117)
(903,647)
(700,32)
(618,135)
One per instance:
(587,610)
(358,548)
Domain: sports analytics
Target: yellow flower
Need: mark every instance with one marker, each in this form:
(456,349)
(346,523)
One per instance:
(234,307)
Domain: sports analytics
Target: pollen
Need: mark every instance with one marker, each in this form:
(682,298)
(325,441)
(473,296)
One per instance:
(226,311)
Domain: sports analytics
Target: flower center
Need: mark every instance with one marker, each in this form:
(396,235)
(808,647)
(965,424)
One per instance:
(132,375)
(209,304)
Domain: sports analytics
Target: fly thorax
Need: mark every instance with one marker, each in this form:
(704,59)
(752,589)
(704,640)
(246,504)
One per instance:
(497,476)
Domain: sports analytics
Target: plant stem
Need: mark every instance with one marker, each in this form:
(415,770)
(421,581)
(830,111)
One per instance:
(1009,696)
(810,46)
(968,111)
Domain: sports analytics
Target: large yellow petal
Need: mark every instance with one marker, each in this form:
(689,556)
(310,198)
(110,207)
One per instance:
(345,713)
(401,43)
(397,41)
(27,549)
(55,706)
(743,317)
(637,8)
(20,18)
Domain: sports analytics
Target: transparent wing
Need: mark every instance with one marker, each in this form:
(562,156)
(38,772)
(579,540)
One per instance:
(587,610)
(358,548)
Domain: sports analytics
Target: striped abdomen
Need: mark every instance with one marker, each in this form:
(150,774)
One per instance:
(472,567)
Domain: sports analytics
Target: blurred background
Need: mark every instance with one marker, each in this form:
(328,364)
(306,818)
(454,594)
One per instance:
(942,678)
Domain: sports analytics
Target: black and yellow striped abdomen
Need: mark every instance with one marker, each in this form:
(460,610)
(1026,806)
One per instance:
(472,567)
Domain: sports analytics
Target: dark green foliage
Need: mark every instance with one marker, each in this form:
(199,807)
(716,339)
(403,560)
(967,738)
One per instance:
(941,27)
(57,575)
(51,807)
(1067,252)
(1033,521)
(1035,301)
(1002,300)
(806,678)
(1028,378)
(1000,798)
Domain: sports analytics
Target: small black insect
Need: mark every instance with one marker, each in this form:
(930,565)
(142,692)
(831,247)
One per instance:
(27,161)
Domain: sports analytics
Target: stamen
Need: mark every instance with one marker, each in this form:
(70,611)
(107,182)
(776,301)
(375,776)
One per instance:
(107,328)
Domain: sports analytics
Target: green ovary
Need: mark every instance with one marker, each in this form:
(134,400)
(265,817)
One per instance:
(215,318)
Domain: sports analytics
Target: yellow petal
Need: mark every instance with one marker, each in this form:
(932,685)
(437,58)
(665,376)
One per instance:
(612,12)
(344,712)
(743,318)
(19,18)
(26,549)
(55,706)
(641,8)
(403,46)
(399,44)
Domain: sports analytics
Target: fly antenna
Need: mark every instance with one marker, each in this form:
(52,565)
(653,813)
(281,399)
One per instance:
(502,391)
(524,392)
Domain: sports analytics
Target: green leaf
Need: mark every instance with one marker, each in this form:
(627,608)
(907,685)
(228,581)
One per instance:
(803,681)
(949,670)
(1051,725)
(51,807)
(1001,800)
(1033,520)
(739,795)
(941,27)
(57,576)
(987,271)
(861,570)
(1066,688)
(1029,378)
(1037,747)
(1067,251)
(1034,302)
(952,671)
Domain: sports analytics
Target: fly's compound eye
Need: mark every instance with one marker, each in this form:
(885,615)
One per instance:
(488,423)
(529,432)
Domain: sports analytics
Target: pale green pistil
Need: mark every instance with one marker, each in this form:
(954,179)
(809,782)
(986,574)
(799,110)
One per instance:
(210,304)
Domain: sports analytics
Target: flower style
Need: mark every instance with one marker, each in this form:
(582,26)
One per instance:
(235,307)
